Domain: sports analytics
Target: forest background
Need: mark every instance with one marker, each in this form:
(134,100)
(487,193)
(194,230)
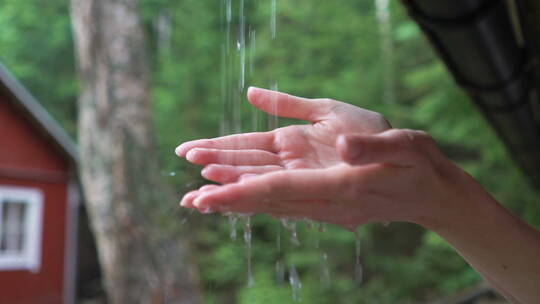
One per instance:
(322,49)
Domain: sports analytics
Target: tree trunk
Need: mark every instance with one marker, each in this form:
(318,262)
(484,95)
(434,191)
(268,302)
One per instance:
(143,257)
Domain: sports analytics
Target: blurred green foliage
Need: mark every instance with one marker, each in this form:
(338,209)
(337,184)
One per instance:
(323,49)
(36,45)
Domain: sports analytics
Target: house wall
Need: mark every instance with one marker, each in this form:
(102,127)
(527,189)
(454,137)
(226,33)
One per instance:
(29,159)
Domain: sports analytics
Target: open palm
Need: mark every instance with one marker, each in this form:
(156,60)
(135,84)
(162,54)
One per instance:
(310,146)
(345,167)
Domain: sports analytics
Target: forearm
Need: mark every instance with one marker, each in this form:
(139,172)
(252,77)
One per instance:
(500,246)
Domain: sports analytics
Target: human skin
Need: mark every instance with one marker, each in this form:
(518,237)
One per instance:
(349,167)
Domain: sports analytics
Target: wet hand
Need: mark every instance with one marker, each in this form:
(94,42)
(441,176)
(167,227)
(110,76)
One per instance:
(397,175)
(346,167)
(312,146)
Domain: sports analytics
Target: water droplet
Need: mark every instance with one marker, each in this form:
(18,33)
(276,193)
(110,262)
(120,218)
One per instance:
(273,19)
(322,227)
(280,271)
(291,226)
(247,240)
(233,218)
(185,218)
(358,270)
(309,223)
(278,240)
(325,270)
(229,11)
(253,50)
(387,48)
(242,46)
(273,120)
(207,210)
(295,282)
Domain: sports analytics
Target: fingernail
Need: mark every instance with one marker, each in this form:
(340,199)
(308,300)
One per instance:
(197,202)
(190,155)
(251,91)
(178,150)
(183,202)
(204,172)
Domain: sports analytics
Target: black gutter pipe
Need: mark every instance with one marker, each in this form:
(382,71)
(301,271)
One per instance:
(488,57)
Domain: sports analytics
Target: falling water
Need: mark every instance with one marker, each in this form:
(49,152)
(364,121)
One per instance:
(252,49)
(255,113)
(164,28)
(226,70)
(280,271)
(273,120)
(242,47)
(387,47)
(228,13)
(280,266)
(295,282)
(247,240)
(322,227)
(291,227)
(325,270)
(233,219)
(358,270)
(310,224)
(185,218)
(273,19)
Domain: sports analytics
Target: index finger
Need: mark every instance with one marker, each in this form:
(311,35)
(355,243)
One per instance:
(252,141)
(303,184)
(286,105)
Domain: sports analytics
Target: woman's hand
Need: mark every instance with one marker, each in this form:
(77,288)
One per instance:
(309,146)
(347,167)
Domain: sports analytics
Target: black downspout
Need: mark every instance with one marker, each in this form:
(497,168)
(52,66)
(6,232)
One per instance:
(479,44)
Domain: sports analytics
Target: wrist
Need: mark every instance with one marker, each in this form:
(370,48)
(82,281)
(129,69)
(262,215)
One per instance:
(458,200)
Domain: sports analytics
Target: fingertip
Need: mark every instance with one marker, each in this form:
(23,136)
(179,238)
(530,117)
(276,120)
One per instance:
(187,200)
(206,171)
(180,151)
(341,144)
(198,203)
(191,155)
(252,93)
(350,148)
(213,172)
(209,198)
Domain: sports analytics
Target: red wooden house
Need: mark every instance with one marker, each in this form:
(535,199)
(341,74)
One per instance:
(38,201)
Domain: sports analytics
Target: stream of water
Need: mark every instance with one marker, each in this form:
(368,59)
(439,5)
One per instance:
(383,13)
(247,241)
(295,282)
(238,65)
(358,269)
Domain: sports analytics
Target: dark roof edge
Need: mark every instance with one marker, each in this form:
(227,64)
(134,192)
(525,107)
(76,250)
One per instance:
(36,110)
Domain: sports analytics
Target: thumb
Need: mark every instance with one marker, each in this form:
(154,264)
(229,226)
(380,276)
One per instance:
(286,105)
(389,147)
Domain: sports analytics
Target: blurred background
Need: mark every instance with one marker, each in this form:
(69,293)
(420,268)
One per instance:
(368,53)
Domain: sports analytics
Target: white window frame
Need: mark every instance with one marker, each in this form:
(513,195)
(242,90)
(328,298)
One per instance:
(30,258)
